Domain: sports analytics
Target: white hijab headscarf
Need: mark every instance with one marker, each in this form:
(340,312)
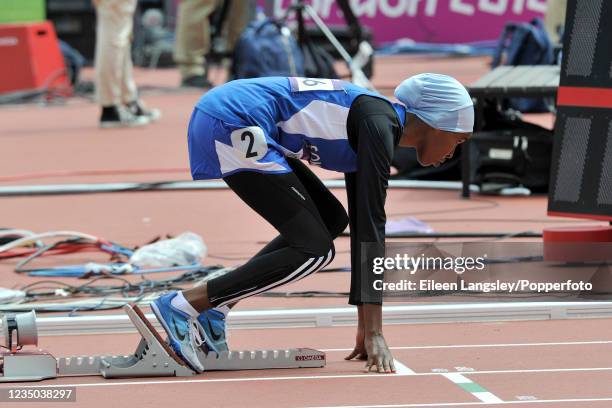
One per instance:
(438,100)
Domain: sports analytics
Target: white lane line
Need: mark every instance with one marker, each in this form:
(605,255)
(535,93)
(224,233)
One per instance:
(110,383)
(467,404)
(539,370)
(457,378)
(401,369)
(502,345)
(488,397)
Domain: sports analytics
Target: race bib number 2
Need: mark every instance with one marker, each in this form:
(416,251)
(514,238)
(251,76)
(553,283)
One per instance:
(251,141)
(314,84)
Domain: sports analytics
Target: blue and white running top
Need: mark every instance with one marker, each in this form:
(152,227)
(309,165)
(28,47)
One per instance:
(253,124)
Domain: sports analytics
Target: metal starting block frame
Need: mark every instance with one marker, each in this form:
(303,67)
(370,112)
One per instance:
(152,358)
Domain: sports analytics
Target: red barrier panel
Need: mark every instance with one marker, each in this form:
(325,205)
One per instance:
(31,58)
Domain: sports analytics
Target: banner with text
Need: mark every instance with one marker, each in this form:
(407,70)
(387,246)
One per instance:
(431,21)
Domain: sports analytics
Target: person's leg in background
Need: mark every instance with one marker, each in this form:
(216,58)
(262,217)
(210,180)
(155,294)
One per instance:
(193,41)
(240,13)
(129,91)
(554,19)
(113,33)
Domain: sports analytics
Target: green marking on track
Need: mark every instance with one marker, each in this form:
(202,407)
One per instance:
(472,387)
(475,389)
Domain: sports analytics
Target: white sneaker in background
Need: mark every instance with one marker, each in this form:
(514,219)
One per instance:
(138,108)
(119,117)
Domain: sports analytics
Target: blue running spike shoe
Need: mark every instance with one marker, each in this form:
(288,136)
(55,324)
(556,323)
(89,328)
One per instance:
(212,328)
(183,335)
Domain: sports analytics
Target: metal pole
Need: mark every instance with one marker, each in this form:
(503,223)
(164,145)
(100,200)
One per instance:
(68,189)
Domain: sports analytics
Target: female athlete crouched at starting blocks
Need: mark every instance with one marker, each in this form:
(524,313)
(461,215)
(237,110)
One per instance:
(255,133)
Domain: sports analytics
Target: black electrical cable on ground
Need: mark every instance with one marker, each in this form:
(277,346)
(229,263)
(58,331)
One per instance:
(56,290)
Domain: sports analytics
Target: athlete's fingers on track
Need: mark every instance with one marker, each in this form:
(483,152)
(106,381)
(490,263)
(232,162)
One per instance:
(380,365)
(392,366)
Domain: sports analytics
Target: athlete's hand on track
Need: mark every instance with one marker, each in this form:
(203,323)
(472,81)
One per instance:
(370,344)
(359,352)
(378,353)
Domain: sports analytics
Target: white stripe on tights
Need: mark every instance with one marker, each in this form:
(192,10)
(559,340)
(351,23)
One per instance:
(256,290)
(330,255)
(295,275)
(320,264)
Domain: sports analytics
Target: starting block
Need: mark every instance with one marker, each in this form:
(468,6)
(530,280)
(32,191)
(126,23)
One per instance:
(152,358)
